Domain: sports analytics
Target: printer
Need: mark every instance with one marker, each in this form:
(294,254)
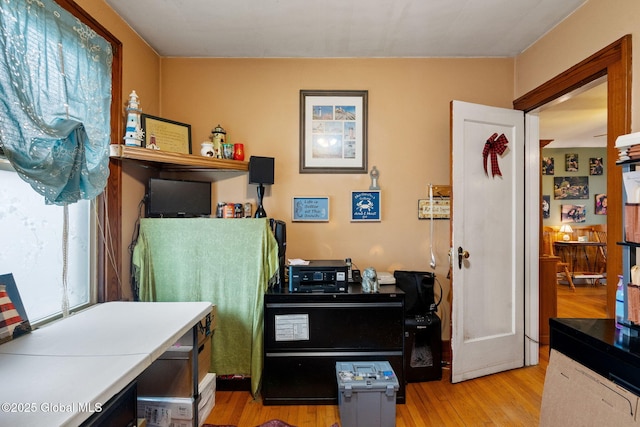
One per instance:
(327,276)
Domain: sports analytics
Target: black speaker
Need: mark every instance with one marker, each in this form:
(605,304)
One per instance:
(261,170)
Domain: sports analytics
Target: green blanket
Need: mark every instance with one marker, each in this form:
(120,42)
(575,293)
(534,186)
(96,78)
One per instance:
(227,262)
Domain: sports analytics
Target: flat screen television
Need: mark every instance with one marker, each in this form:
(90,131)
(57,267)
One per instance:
(168,198)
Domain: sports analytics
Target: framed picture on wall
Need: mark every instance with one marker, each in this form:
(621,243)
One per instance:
(571,162)
(600,204)
(365,206)
(571,187)
(546,206)
(595,166)
(547,166)
(314,209)
(333,131)
(574,213)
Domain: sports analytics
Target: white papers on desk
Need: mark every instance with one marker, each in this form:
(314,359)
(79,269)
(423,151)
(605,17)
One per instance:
(298,261)
(632,186)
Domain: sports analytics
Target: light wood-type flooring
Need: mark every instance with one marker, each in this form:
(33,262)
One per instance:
(509,398)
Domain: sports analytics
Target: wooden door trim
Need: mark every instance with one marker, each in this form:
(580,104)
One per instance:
(614,61)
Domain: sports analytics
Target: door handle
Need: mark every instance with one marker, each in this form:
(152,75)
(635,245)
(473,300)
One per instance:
(462,254)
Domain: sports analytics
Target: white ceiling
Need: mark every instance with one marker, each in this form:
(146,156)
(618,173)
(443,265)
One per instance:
(342,28)
(370,29)
(577,120)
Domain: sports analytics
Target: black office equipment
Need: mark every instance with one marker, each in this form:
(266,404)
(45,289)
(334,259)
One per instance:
(167,198)
(422,326)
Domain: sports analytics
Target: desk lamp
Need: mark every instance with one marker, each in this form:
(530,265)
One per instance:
(261,173)
(566,229)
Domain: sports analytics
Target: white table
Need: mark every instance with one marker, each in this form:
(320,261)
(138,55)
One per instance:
(53,375)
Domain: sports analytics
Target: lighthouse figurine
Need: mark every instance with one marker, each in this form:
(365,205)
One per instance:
(133,133)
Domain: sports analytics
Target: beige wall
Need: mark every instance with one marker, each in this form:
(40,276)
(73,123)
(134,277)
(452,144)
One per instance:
(257,102)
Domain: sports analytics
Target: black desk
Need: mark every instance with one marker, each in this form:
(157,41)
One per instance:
(305,334)
(601,347)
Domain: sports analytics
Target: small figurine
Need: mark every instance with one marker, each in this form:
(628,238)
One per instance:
(134,134)
(370,281)
(152,143)
(374,174)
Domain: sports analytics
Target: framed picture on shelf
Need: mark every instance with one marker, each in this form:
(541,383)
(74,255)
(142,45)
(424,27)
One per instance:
(333,131)
(166,135)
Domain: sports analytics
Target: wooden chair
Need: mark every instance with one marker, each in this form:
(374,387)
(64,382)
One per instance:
(548,237)
(600,235)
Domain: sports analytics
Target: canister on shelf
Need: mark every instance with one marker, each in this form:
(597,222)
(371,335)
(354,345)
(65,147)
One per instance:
(220,209)
(238,210)
(247,210)
(229,210)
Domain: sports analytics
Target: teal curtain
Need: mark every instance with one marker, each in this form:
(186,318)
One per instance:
(55,97)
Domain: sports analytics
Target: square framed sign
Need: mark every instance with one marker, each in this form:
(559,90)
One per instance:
(365,206)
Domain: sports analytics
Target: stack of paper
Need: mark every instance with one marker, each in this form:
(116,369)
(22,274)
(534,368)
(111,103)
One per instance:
(628,147)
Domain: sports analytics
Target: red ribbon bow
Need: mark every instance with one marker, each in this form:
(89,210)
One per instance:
(495,145)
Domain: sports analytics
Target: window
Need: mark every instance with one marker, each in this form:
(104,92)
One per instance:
(32,231)
(31,248)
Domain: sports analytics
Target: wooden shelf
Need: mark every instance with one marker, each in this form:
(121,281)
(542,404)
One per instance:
(169,160)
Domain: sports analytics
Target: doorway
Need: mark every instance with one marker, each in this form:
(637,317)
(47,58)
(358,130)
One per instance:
(573,148)
(614,62)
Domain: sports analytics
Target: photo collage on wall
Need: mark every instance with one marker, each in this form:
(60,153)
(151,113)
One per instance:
(573,188)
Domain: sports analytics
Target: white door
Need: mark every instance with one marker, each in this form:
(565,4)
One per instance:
(487,240)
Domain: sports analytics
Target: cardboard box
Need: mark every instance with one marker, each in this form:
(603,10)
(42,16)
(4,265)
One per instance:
(207,388)
(574,395)
(161,406)
(631,222)
(160,410)
(171,374)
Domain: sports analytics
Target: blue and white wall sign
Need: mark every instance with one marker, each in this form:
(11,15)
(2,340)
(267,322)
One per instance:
(365,206)
(313,209)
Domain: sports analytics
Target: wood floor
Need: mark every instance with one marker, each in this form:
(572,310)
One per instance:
(509,398)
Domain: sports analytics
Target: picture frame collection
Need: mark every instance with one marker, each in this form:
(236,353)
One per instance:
(573,187)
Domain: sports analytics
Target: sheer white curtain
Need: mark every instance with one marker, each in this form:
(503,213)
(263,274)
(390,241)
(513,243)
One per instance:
(55,97)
